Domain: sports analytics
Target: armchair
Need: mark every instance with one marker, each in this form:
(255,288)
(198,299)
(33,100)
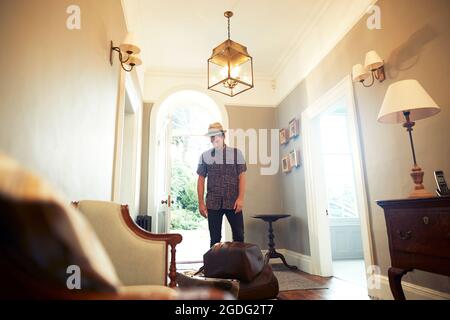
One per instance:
(139,257)
(41,236)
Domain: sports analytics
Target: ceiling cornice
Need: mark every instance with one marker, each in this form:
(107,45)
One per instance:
(298,40)
(194,74)
(295,78)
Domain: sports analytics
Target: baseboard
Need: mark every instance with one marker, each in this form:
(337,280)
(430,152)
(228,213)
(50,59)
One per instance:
(412,291)
(302,261)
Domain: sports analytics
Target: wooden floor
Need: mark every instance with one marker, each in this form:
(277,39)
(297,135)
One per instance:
(337,290)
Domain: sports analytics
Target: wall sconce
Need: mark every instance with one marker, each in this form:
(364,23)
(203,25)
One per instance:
(374,67)
(128,53)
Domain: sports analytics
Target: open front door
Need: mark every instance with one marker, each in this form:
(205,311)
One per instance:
(162,190)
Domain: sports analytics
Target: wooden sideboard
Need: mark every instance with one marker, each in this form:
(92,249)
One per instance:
(419,238)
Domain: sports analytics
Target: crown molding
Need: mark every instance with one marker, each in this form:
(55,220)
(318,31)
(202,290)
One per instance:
(298,40)
(295,78)
(194,73)
(125,15)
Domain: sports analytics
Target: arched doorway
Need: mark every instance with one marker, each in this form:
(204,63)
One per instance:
(178,126)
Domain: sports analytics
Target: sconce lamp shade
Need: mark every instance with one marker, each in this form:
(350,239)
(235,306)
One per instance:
(134,60)
(129,45)
(373,61)
(360,73)
(407,95)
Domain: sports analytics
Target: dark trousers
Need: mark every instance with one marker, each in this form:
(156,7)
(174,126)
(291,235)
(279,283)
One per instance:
(236,221)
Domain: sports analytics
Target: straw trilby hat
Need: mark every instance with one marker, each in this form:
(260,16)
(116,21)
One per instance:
(215,129)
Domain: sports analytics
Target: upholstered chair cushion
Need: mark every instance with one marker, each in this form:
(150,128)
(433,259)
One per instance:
(41,235)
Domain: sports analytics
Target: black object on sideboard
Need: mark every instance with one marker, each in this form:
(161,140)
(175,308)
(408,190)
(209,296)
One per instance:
(419,238)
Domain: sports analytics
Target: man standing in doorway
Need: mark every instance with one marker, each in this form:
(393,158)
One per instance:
(225,168)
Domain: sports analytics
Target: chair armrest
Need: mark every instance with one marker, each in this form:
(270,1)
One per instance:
(171,239)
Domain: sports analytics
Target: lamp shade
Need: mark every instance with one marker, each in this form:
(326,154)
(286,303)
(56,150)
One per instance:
(360,73)
(134,60)
(129,44)
(407,95)
(373,61)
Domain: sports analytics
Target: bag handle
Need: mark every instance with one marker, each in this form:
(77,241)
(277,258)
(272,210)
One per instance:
(199,270)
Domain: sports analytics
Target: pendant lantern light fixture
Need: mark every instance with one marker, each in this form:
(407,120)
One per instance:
(230,68)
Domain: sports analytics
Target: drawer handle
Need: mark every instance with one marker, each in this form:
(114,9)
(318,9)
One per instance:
(426,220)
(404,235)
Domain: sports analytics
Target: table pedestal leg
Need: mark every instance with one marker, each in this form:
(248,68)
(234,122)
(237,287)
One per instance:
(272,253)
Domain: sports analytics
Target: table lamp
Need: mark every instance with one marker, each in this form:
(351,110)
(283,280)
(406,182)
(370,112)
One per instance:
(406,102)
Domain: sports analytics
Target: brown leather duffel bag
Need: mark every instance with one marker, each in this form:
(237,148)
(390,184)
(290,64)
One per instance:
(264,286)
(233,260)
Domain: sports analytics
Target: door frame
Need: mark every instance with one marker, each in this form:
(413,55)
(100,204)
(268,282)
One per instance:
(128,86)
(166,175)
(318,224)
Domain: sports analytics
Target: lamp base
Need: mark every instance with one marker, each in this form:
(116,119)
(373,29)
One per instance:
(419,190)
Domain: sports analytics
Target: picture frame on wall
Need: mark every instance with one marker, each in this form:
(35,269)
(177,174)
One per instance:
(294,159)
(284,136)
(285,164)
(294,125)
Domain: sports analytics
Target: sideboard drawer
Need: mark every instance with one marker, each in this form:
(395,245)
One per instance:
(424,232)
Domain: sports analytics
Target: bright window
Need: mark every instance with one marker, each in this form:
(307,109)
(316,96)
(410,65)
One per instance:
(338,166)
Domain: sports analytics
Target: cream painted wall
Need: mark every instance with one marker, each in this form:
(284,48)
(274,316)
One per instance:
(415,42)
(59,92)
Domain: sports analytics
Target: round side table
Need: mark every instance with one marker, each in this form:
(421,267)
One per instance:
(272,253)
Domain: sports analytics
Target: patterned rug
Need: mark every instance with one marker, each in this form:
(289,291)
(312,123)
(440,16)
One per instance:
(293,280)
(287,279)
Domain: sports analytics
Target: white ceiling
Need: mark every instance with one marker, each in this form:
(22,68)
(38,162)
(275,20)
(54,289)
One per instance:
(179,35)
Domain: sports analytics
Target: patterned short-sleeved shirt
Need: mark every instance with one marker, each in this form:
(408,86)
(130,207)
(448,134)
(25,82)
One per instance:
(222,169)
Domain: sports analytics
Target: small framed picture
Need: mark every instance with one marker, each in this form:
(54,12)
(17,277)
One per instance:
(285,164)
(294,128)
(294,159)
(284,136)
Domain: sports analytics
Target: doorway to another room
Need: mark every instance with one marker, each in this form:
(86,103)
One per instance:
(126,172)
(336,198)
(128,159)
(336,162)
(183,119)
